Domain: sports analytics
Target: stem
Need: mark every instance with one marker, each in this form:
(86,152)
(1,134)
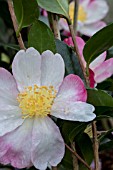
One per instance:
(80,159)
(95,145)
(75,160)
(76,8)
(14,20)
(55,28)
(78,54)
(95,140)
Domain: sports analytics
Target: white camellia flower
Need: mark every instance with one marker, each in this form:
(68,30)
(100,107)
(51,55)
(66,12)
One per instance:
(35,91)
(90,14)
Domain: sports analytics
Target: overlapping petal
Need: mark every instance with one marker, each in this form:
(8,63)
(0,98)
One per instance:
(52,69)
(73,92)
(15,147)
(8,89)
(91,29)
(47,143)
(104,71)
(72,89)
(74,111)
(99,60)
(101,8)
(10,119)
(26,68)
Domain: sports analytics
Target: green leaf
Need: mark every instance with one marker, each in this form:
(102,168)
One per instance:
(98,43)
(41,37)
(26,12)
(85,148)
(105,135)
(55,6)
(71,129)
(70,59)
(77,130)
(99,98)
(107,145)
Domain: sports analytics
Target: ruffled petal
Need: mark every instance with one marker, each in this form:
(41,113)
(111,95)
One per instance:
(47,143)
(74,111)
(26,68)
(8,89)
(72,89)
(52,69)
(104,71)
(99,60)
(101,8)
(15,147)
(10,119)
(91,29)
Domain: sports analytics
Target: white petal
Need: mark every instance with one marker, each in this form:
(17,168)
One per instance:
(10,119)
(52,69)
(26,68)
(47,143)
(96,10)
(15,147)
(8,88)
(74,111)
(104,70)
(99,60)
(91,29)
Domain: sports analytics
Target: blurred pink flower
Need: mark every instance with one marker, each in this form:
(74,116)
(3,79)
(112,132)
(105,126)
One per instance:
(90,14)
(100,69)
(36,90)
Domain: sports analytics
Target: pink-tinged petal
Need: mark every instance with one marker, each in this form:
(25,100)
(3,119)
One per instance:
(91,78)
(15,147)
(96,10)
(52,69)
(104,71)
(72,89)
(10,119)
(47,143)
(8,88)
(91,29)
(74,111)
(80,43)
(99,60)
(26,68)
(69,41)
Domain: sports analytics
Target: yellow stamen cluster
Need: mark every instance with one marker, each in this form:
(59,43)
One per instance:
(82,15)
(36,101)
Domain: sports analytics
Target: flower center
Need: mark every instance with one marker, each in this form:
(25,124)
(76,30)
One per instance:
(82,14)
(36,101)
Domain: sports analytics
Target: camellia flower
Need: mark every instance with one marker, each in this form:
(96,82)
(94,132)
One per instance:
(90,14)
(100,69)
(35,91)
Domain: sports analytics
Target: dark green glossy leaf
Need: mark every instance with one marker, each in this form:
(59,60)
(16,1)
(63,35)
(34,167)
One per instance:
(55,6)
(98,43)
(99,98)
(67,160)
(105,135)
(41,37)
(26,11)
(85,149)
(77,130)
(71,129)
(71,62)
(106,145)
